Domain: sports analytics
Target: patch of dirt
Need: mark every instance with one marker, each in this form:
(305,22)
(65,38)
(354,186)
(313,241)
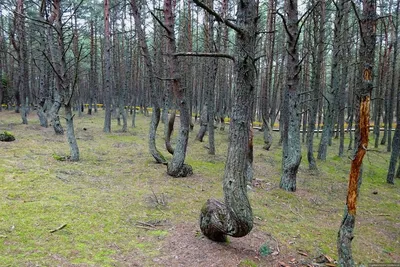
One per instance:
(186,246)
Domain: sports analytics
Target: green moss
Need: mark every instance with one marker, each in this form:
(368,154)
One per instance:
(101,198)
(6,137)
(247,263)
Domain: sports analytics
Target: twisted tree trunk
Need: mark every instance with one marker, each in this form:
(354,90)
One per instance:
(234,217)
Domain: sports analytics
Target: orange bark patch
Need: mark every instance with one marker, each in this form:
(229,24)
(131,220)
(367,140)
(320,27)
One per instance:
(357,161)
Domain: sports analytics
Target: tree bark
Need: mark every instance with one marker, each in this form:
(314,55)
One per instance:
(155,118)
(319,35)
(234,217)
(396,138)
(367,47)
(107,68)
(291,152)
(177,167)
(266,90)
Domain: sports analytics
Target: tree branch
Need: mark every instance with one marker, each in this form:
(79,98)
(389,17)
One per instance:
(160,22)
(284,23)
(359,21)
(218,17)
(201,54)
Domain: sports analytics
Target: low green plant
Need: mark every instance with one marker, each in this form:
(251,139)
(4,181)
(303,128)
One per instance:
(6,137)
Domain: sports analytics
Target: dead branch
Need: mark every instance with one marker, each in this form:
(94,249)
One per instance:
(58,228)
(201,54)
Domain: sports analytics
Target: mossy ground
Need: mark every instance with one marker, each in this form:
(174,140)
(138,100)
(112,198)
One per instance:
(116,202)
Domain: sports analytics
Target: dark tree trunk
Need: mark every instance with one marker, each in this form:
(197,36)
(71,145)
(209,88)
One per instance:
(41,107)
(107,67)
(168,133)
(18,41)
(234,217)
(333,90)
(291,152)
(393,83)
(394,155)
(266,90)
(319,34)
(363,95)
(203,124)
(177,167)
(396,138)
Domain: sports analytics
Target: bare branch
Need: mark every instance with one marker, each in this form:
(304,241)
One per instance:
(218,17)
(359,20)
(52,66)
(160,22)
(284,23)
(201,54)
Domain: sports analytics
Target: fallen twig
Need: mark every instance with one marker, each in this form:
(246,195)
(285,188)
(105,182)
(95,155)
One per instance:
(58,228)
(145,224)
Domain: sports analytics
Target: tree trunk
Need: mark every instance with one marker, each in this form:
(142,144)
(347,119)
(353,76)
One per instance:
(266,90)
(396,138)
(73,146)
(203,124)
(177,167)
(332,92)
(319,35)
(367,47)
(291,153)
(235,217)
(107,68)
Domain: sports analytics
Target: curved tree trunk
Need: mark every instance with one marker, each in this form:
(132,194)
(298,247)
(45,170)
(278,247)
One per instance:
(55,108)
(155,117)
(169,128)
(177,167)
(234,217)
(203,124)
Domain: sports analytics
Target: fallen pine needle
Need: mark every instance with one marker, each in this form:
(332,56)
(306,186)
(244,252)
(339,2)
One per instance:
(58,228)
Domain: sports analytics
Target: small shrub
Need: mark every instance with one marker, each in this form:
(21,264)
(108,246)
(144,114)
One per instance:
(265,250)
(59,158)
(6,137)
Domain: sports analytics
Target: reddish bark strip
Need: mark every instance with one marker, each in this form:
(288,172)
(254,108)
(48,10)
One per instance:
(357,161)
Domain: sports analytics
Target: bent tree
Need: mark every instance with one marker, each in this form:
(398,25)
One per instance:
(362,113)
(155,117)
(234,217)
(177,167)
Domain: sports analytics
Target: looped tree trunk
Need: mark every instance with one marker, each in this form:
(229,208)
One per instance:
(234,217)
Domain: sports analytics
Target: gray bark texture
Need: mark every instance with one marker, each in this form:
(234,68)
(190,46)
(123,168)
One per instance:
(203,124)
(107,68)
(155,117)
(291,153)
(63,92)
(177,167)
(234,217)
(319,35)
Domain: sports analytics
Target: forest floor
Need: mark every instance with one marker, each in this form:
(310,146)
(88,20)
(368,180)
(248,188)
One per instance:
(116,207)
